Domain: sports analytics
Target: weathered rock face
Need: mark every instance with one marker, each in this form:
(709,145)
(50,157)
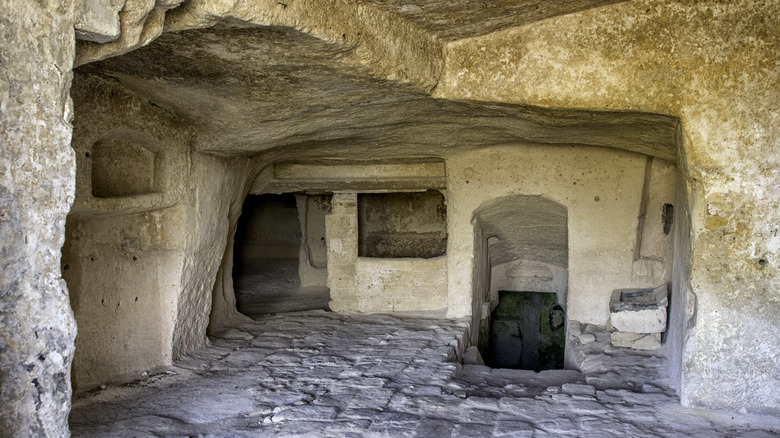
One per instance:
(279,95)
(278,73)
(145,267)
(37,178)
(674,58)
(318,81)
(127,231)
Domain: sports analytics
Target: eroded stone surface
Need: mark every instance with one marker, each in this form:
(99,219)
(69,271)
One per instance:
(325,374)
(713,65)
(256,89)
(37,179)
(672,58)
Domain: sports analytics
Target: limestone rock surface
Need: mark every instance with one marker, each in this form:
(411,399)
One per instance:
(37,179)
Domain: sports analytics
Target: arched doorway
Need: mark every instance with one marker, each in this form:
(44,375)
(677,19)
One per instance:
(527,265)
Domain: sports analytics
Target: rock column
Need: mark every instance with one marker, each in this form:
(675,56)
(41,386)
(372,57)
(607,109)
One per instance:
(37,184)
(341,234)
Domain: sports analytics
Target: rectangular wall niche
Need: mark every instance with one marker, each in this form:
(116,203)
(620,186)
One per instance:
(121,168)
(396,225)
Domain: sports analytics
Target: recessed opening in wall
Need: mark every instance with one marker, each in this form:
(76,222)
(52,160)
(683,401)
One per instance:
(279,246)
(121,168)
(395,225)
(525,262)
(527,331)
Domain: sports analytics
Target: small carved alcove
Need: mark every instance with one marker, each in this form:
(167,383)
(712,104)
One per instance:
(122,168)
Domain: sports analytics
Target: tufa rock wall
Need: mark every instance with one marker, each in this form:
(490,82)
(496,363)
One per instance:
(37,182)
(714,65)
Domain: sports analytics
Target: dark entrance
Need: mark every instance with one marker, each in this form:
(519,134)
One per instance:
(527,332)
(268,253)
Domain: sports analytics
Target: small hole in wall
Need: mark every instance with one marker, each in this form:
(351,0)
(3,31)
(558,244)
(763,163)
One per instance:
(136,299)
(135,258)
(667,217)
(122,168)
(87,154)
(762,262)
(66,267)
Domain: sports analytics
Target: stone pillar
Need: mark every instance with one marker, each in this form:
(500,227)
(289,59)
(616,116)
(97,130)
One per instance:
(341,235)
(37,185)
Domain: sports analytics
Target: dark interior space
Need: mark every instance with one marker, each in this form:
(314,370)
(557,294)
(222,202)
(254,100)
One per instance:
(266,254)
(527,332)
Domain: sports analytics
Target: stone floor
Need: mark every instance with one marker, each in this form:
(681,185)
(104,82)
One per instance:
(322,374)
(265,286)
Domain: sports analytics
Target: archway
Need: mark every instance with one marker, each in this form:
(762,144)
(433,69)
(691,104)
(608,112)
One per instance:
(527,265)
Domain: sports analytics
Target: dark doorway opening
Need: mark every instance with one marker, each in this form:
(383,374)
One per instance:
(267,248)
(521,268)
(527,332)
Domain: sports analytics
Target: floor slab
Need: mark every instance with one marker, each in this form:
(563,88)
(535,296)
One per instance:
(323,374)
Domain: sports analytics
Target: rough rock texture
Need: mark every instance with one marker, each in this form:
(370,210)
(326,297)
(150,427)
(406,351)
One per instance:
(317,374)
(219,186)
(715,66)
(146,271)
(140,22)
(711,65)
(256,89)
(37,179)
(124,252)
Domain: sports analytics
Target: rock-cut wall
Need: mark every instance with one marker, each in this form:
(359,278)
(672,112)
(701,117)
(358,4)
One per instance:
(715,65)
(37,180)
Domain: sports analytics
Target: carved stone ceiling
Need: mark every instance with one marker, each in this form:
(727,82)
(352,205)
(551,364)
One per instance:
(248,90)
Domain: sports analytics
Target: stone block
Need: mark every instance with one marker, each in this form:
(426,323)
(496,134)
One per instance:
(472,357)
(648,342)
(639,310)
(623,339)
(637,341)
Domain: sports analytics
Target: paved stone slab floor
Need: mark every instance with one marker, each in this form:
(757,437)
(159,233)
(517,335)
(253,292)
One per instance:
(321,374)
